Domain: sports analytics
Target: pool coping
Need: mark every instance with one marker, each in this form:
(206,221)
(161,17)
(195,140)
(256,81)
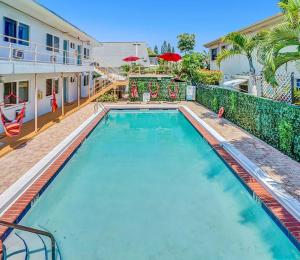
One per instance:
(16,209)
(286,221)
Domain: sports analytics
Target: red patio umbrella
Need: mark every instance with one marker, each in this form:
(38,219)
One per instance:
(170,56)
(131,59)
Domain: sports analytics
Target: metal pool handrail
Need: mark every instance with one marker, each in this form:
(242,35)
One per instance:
(35,231)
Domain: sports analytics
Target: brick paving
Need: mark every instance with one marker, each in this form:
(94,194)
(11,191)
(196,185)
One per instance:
(278,166)
(19,161)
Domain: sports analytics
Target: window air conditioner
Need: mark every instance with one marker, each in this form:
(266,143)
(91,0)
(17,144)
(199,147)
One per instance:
(18,54)
(53,58)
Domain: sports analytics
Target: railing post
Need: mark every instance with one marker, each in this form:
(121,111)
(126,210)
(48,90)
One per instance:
(35,53)
(292,87)
(10,52)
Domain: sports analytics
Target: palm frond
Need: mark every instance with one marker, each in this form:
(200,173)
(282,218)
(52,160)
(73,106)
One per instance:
(226,54)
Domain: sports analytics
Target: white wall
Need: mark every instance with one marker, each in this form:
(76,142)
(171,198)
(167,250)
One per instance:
(38,31)
(239,65)
(111,54)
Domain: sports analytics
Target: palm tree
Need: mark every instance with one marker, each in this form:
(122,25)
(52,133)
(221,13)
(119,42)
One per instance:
(271,52)
(241,45)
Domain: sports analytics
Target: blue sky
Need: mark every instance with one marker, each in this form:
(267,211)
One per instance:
(157,20)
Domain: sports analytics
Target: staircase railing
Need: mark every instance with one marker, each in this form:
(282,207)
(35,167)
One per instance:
(35,231)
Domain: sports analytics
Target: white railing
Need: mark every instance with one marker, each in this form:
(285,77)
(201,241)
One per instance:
(16,49)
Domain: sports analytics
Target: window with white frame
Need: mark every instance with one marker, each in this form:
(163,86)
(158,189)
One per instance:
(86,53)
(52,43)
(86,80)
(72,45)
(16,32)
(51,85)
(19,89)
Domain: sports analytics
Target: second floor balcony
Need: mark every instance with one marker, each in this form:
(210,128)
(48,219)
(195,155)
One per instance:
(21,56)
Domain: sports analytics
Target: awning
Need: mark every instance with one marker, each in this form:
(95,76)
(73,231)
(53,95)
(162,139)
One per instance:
(235,82)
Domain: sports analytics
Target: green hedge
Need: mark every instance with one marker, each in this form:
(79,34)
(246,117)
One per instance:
(163,91)
(276,123)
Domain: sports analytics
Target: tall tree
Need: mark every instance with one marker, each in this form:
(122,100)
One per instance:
(164,47)
(156,51)
(273,52)
(169,47)
(173,49)
(186,42)
(241,45)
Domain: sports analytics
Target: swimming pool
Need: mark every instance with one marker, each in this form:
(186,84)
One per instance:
(146,185)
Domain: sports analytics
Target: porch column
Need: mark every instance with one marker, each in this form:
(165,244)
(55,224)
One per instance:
(35,104)
(62,96)
(78,89)
(90,74)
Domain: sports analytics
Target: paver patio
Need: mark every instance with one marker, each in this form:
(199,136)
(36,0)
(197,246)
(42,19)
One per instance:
(278,166)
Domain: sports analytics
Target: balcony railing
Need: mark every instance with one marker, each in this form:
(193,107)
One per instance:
(15,49)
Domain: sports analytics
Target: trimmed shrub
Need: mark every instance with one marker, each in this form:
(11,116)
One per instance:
(108,97)
(276,123)
(164,83)
(208,77)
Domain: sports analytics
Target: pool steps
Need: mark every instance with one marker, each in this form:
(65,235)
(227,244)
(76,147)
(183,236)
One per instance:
(18,247)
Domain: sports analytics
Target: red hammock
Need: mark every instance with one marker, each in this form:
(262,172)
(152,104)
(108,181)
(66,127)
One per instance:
(53,102)
(134,91)
(173,94)
(12,128)
(153,94)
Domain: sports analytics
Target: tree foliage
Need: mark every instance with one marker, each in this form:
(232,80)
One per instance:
(273,52)
(186,42)
(240,45)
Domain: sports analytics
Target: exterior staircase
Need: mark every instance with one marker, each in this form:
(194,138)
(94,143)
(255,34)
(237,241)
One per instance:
(110,79)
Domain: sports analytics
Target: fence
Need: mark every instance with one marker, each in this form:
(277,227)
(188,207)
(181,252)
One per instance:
(276,123)
(284,91)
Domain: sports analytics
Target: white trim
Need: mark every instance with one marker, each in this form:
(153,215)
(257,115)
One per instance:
(19,187)
(291,204)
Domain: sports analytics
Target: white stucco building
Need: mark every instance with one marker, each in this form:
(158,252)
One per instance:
(236,69)
(41,52)
(113,53)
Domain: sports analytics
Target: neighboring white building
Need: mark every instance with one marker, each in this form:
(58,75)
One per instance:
(111,54)
(236,69)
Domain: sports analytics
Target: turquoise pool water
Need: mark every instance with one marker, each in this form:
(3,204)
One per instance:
(145,185)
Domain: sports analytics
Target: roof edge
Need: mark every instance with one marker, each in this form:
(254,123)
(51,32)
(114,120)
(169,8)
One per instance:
(256,26)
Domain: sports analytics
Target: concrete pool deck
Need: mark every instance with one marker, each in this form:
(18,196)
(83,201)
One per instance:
(278,166)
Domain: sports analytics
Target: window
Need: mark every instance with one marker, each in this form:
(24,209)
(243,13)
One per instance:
(51,84)
(298,83)
(15,30)
(10,29)
(23,34)
(23,90)
(52,42)
(214,54)
(86,53)
(20,89)
(72,45)
(10,88)
(48,87)
(56,44)
(86,80)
